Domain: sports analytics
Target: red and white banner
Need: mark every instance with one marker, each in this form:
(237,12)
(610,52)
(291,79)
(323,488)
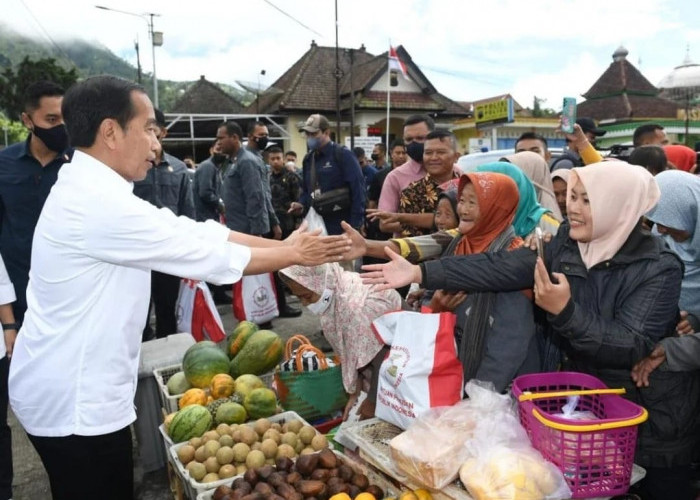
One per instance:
(422,370)
(197,313)
(396,64)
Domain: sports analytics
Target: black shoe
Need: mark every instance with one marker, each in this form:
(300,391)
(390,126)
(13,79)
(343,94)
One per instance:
(265,326)
(290,312)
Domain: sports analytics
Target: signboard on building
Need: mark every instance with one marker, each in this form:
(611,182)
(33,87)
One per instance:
(366,143)
(493,112)
(478,145)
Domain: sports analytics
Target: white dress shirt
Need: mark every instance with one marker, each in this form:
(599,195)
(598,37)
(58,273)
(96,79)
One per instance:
(75,364)
(7,296)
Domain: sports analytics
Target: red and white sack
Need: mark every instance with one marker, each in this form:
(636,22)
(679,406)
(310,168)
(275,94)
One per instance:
(422,370)
(255,298)
(197,313)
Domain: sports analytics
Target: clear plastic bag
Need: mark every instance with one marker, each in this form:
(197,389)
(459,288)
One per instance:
(501,463)
(432,449)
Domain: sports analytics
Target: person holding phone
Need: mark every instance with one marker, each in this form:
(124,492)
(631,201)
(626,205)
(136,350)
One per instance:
(578,141)
(610,291)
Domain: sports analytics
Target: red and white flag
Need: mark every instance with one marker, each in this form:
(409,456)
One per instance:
(396,64)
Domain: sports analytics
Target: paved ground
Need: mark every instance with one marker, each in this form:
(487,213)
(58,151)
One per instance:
(31,481)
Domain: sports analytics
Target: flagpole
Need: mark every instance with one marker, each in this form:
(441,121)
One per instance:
(388,95)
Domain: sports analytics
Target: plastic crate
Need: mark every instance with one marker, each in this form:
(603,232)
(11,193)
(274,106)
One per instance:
(162,375)
(595,455)
(194,488)
(169,402)
(390,490)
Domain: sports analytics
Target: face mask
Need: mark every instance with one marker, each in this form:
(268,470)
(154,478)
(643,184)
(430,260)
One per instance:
(320,306)
(375,157)
(313,143)
(55,138)
(218,158)
(415,151)
(261,142)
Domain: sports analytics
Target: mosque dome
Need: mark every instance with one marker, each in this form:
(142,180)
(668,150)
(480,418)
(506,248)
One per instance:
(684,76)
(620,54)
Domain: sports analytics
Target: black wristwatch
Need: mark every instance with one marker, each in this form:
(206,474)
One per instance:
(10,326)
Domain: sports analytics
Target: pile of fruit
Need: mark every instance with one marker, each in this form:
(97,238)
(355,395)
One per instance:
(232,450)
(226,382)
(322,476)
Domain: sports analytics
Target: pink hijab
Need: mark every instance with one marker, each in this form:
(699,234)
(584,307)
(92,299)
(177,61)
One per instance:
(347,323)
(619,194)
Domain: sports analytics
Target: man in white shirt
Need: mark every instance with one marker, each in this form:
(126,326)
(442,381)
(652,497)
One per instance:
(75,364)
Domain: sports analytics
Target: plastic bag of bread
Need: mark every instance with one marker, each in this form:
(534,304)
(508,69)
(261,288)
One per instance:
(433,447)
(500,473)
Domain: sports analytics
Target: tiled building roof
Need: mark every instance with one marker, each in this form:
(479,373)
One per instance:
(309,85)
(206,97)
(622,92)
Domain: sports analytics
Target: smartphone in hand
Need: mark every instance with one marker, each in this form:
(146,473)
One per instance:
(568,115)
(540,243)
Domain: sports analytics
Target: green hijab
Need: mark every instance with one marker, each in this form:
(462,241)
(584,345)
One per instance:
(529,211)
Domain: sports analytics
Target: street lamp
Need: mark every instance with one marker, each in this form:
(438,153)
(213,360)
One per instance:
(156,41)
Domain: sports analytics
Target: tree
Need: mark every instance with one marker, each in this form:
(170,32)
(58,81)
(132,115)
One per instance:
(13,82)
(11,132)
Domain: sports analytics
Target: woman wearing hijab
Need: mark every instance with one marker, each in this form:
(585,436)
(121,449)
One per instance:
(614,295)
(676,217)
(682,157)
(488,345)
(537,170)
(560,179)
(530,213)
(489,348)
(346,308)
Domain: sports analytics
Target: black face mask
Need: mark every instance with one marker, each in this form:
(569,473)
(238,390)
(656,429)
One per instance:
(55,138)
(261,142)
(415,151)
(218,158)
(375,157)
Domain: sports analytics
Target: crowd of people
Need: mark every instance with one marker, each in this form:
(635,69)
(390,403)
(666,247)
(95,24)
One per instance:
(614,292)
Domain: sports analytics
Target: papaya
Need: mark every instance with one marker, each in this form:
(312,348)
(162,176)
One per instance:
(238,338)
(260,354)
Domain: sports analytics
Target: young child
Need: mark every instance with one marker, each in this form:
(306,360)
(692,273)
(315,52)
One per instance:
(346,308)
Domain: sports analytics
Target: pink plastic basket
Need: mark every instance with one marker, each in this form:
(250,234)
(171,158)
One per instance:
(595,456)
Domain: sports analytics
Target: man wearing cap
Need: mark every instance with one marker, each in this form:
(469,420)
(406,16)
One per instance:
(167,185)
(329,167)
(572,156)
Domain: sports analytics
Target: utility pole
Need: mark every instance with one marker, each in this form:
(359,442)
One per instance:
(338,76)
(156,41)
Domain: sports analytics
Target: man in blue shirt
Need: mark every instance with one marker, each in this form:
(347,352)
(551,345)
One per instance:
(28,170)
(334,167)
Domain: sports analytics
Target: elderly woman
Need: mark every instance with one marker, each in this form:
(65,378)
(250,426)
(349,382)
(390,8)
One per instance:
(610,291)
(346,308)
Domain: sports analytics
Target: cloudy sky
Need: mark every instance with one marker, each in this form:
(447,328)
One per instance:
(469,50)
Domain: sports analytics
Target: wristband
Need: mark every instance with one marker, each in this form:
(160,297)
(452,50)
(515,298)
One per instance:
(10,326)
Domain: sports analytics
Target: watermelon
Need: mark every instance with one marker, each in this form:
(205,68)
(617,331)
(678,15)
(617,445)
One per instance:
(230,413)
(202,362)
(178,384)
(260,354)
(191,421)
(240,335)
(260,403)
